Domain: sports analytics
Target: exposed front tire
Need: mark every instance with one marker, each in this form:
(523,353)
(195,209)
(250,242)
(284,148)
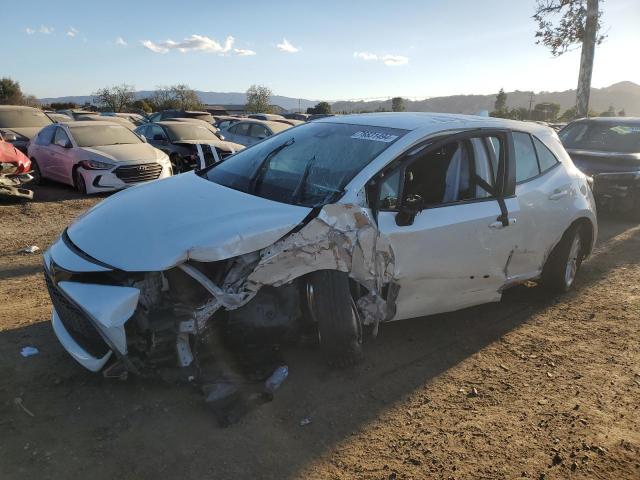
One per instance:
(79,182)
(334,309)
(560,270)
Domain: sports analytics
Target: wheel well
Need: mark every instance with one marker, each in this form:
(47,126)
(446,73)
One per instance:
(585,227)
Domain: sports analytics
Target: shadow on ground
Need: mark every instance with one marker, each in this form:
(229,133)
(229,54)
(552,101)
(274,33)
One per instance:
(85,425)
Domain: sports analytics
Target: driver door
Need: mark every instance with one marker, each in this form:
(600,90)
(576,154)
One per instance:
(454,249)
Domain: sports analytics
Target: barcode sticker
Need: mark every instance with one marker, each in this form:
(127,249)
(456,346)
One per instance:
(374,136)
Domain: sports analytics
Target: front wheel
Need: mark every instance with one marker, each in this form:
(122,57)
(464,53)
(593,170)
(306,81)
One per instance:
(562,266)
(337,316)
(79,182)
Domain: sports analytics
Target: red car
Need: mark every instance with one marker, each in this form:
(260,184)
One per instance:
(14,171)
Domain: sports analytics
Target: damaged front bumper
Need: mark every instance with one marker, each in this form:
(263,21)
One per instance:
(11,185)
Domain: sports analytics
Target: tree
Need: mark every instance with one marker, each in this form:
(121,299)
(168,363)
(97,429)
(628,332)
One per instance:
(10,92)
(611,112)
(62,105)
(397,104)
(258,97)
(142,105)
(500,104)
(116,98)
(568,115)
(622,113)
(546,111)
(322,108)
(187,99)
(579,23)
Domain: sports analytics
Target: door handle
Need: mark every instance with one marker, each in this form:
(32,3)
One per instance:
(498,224)
(558,194)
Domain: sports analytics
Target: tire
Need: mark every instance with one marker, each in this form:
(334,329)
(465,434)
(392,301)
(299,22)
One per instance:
(560,270)
(78,181)
(36,173)
(177,165)
(334,309)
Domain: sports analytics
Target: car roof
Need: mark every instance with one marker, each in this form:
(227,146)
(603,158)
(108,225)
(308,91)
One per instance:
(18,107)
(91,123)
(272,124)
(431,121)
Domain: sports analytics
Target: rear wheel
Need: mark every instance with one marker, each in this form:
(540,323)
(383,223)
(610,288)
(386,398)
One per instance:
(337,316)
(79,182)
(562,266)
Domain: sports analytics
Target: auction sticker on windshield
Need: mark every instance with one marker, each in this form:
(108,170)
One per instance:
(375,136)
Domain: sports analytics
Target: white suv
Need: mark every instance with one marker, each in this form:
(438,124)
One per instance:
(343,223)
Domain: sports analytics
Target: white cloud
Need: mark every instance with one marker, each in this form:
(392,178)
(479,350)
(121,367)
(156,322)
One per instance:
(46,30)
(72,32)
(29,31)
(285,46)
(389,60)
(242,52)
(121,41)
(194,43)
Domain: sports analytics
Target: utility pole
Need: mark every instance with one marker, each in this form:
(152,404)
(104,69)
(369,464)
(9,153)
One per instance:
(586,59)
(299,109)
(531,95)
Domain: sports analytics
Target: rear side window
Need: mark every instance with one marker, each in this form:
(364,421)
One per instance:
(545,157)
(526,158)
(259,131)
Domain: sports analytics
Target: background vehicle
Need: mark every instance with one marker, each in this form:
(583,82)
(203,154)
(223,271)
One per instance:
(248,132)
(190,145)
(296,116)
(95,156)
(608,149)
(169,114)
(77,113)
(14,171)
(355,219)
(224,121)
(134,118)
(266,116)
(99,118)
(59,117)
(289,121)
(18,124)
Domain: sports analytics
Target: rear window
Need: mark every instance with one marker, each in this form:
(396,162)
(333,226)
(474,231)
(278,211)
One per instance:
(189,131)
(620,137)
(23,118)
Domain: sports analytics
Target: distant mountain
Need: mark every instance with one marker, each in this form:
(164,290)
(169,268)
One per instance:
(210,98)
(622,95)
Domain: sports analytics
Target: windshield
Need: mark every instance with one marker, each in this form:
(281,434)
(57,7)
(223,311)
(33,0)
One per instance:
(22,118)
(189,131)
(308,165)
(101,135)
(607,137)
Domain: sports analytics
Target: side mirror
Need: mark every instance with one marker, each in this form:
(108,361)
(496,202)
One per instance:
(220,136)
(143,138)
(9,137)
(411,205)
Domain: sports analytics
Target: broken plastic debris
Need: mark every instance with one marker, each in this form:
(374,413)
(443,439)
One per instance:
(216,392)
(18,402)
(29,351)
(278,376)
(29,249)
(305,421)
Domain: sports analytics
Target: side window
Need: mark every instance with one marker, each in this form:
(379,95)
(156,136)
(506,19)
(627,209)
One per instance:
(526,159)
(546,158)
(156,132)
(258,131)
(389,191)
(241,129)
(457,171)
(46,135)
(61,138)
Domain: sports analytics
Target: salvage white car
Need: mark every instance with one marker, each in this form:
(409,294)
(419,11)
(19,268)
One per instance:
(341,224)
(95,156)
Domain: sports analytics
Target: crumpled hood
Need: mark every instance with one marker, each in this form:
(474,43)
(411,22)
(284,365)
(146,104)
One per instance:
(160,224)
(126,153)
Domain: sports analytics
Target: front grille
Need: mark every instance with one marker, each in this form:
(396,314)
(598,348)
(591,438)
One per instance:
(138,173)
(76,322)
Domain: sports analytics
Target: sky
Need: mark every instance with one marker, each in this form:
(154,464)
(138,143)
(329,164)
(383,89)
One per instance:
(321,50)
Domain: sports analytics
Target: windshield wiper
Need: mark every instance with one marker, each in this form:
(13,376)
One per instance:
(264,164)
(299,190)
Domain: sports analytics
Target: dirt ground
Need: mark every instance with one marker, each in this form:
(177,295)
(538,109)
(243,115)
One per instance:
(556,379)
